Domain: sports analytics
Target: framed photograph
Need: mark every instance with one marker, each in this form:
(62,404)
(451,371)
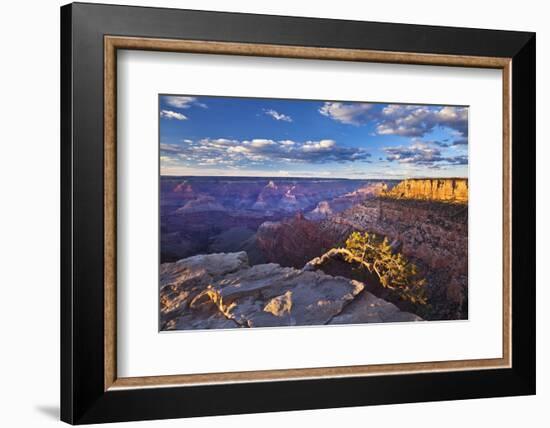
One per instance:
(265,213)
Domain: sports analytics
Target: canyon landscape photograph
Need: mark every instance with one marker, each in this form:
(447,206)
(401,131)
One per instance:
(290,212)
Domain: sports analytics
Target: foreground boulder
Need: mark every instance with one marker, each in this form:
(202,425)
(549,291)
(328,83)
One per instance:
(180,284)
(223,291)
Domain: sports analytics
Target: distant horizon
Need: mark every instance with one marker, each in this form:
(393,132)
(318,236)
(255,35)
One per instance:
(311,178)
(269,137)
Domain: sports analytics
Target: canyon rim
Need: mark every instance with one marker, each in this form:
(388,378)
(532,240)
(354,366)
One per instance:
(281,212)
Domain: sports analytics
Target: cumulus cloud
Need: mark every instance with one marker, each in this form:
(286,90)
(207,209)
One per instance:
(182,102)
(438,143)
(170,149)
(457,160)
(169,114)
(417,121)
(417,153)
(460,142)
(421,153)
(278,116)
(401,119)
(263,151)
(167,159)
(351,114)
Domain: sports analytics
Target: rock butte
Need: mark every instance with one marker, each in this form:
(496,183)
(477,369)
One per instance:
(224,291)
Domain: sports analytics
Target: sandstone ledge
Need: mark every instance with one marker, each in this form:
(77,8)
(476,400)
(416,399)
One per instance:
(218,291)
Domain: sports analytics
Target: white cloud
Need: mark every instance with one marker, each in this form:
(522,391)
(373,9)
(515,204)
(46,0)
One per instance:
(401,119)
(167,159)
(178,101)
(259,143)
(264,151)
(169,114)
(318,145)
(351,114)
(417,121)
(278,116)
(422,153)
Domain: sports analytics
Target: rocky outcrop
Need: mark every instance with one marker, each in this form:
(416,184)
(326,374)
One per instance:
(321,211)
(367,308)
(201,204)
(445,189)
(432,234)
(435,233)
(180,284)
(325,209)
(223,291)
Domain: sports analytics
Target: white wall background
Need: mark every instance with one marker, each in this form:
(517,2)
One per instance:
(29,215)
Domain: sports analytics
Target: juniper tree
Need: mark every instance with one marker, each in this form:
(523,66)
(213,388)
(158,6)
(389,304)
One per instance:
(393,269)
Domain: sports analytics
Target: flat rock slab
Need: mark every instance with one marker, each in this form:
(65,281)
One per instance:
(219,291)
(180,284)
(270,295)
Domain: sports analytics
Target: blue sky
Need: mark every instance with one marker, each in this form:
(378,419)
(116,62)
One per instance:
(232,136)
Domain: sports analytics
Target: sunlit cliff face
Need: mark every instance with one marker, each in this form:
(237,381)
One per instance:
(450,190)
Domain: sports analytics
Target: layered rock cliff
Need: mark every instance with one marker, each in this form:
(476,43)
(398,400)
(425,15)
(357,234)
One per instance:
(224,291)
(445,189)
(432,234)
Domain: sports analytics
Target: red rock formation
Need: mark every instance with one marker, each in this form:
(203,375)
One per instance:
(292,242)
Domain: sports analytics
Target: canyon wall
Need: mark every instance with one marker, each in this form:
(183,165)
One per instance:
(432,234)
(201,215)
(445,189)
